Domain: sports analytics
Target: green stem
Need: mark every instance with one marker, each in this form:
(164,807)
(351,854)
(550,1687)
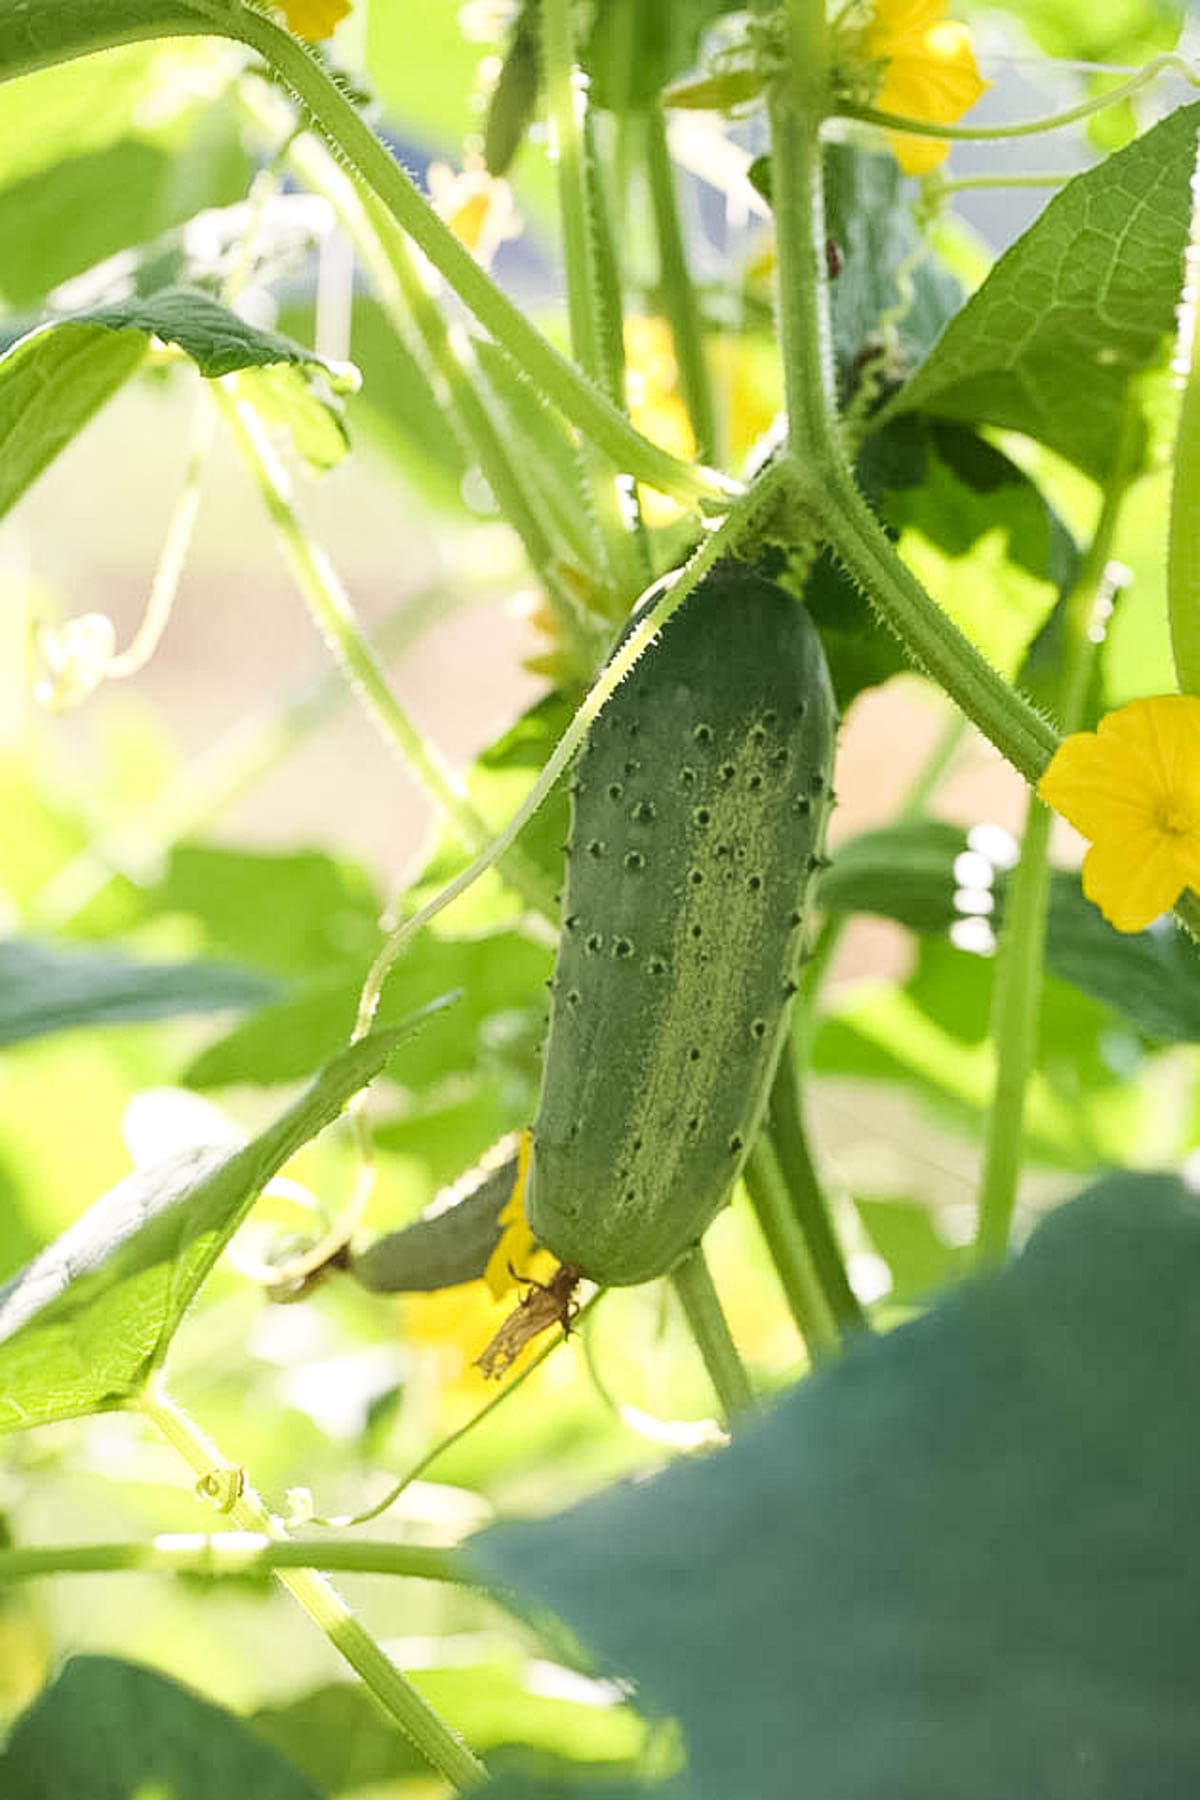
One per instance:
(1016,1003)
(338,120)
(788,1138)
(383,251)
(1019,964)
(721,542)
(232,1555)
(935,768)
(693,1283)
(514,495)
(511,1385)
(590,268)
(790,1253)
(566,102)
(442,1747)
(1183,539)
(939,186)
(675,281)
(796,104)
(334,617)
(1158,65)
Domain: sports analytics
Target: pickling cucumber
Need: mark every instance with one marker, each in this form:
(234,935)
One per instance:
(698,817)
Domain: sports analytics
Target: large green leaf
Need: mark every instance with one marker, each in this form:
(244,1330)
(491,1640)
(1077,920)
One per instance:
(44,989)
(497,975)
(51,384)
(37,33)
(83,1326)
(907,873)
(79,211)
(216,339)
(54,379)
(961,1562)
(112,1731)
(1080,307)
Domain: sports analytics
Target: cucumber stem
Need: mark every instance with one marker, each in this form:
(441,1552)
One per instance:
(788,1138)
(693,1283)
(790,1253)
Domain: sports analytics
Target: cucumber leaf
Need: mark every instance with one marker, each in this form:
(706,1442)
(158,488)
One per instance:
(44,988)
(86,1323)
(907,873)
(1080,307)
(932,1570)
(112,1730)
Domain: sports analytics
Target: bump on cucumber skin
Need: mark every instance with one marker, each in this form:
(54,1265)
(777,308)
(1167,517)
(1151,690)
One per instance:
(451,1241)
(698,817)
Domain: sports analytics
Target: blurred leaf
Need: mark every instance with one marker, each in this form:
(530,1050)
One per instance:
(905,1235)
(112,1731)
(495,974)
(398,408)
(450,1242)
(635,49)
(1080,306)
(342,1742)
(51,384)
(45,989)
(77,212)
(887,273)
(1120,31)
(33,37)
(973,524)
(514,98)
(907,873)
(84,1325)
(88,106)
(239,896)
(286,399)
(933,1569)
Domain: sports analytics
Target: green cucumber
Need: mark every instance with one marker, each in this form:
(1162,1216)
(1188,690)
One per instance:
(451,1241)
(698,817)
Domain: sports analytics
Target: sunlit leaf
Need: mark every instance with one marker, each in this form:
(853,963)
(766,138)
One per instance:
(44,989)
(1077,310)
(84,1325)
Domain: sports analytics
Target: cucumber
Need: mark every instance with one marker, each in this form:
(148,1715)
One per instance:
(698,818)
(451,1241)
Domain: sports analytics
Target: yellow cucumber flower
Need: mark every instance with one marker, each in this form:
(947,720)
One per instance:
(926,70)
(1132,788)
(313,20)
(515,1250)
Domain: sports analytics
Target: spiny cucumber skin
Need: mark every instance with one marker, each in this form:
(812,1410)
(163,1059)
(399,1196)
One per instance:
(698,817)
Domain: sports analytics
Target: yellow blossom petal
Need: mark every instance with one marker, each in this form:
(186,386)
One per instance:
(929,72)
(1133,788)
(516,1245)
(313,20)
